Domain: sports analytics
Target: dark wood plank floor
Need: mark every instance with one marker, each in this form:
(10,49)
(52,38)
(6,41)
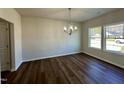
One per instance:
(74,69)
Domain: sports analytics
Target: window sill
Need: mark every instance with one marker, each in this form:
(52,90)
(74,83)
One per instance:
(94,48)
(108,51)
(114,52)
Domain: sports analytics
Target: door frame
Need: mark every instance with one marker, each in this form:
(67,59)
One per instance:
(10,28)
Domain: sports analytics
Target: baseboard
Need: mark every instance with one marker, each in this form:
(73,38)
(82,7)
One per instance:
(17,66)
(50,56)
(65,55)
(104,60)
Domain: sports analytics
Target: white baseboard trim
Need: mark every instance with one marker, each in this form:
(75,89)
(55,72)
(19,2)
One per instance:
(104,60)
(14,69)
(50,56)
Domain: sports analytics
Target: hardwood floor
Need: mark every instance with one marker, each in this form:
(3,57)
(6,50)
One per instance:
(74,69)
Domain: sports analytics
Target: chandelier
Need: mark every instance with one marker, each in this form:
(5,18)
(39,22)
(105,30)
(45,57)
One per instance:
(69,28)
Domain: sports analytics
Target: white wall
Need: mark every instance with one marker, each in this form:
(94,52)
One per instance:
(43,38)
(12,16)
(113,17)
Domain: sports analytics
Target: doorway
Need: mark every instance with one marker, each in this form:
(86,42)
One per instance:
(5,46)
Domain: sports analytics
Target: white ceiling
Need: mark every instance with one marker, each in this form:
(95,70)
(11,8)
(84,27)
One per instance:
(78,14)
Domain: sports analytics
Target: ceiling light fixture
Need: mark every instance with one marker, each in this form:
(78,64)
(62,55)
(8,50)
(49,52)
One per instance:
(70,27)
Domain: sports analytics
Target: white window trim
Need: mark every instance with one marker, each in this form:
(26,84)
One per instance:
(104,39)
(89,46)
(114,52)
(94,48)
(115,23)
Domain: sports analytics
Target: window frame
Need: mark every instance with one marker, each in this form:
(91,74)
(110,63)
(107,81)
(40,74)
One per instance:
(89,38)
(104,39)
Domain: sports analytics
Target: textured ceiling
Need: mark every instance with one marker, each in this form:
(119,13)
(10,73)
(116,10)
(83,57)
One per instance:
(78,14)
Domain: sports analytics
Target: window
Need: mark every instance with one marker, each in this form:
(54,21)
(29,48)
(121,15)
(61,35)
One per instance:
(95,37)
(114,37)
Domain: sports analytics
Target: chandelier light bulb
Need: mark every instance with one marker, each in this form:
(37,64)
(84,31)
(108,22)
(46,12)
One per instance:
(71,27)
(65,28)
(75,27)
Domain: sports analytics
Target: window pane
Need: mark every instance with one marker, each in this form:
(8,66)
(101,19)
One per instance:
(95,37)
(115,38)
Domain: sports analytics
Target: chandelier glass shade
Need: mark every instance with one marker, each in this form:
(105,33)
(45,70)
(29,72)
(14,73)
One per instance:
(69,28)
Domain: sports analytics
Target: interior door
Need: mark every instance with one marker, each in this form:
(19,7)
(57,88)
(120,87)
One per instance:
(4,46)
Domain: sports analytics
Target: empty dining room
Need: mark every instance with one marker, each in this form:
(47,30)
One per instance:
(62,45)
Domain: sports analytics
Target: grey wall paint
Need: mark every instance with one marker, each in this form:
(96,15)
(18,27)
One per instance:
(113,17)
(13,17)
(43,38)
